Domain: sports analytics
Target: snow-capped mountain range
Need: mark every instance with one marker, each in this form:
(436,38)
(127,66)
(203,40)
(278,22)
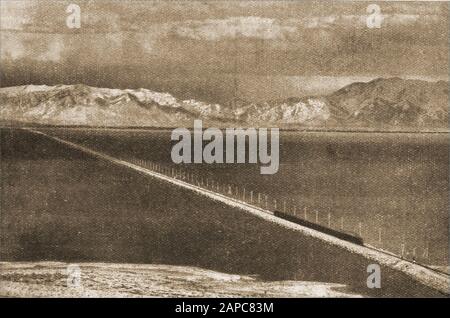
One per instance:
(380,104)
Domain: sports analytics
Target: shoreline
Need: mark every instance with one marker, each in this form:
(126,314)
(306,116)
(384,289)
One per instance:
(151,128)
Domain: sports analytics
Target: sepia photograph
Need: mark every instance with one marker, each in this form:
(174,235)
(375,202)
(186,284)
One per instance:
(241,150)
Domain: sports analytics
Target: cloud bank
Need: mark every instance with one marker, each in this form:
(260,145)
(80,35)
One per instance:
(161,40)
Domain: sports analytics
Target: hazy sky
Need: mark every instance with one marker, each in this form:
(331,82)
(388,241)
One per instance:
(194,48)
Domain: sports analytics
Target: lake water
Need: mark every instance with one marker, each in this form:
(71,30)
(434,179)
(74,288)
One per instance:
(390,188)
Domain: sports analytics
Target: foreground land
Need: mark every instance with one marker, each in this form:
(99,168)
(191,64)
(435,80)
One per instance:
(47,279)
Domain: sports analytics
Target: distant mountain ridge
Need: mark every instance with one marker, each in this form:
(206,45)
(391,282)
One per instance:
(91,106)
(379,104)
(394,102)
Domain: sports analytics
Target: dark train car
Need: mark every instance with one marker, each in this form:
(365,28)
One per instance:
(341,235)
